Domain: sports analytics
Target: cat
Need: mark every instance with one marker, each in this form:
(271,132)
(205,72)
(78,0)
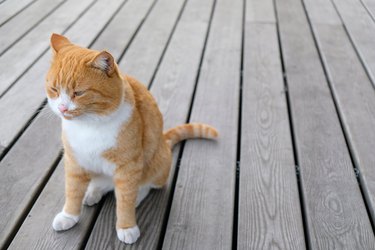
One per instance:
(112,133)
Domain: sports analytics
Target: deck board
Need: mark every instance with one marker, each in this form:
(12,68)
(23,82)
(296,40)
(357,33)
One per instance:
(361,30)
(370,6)
(10,9)
(331,196)
(269,206)
(201,61)
(143,55)
(25,22)
(201,215)
(355,99)
(23,174)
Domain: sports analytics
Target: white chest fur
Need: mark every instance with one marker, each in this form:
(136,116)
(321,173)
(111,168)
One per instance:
(89,138)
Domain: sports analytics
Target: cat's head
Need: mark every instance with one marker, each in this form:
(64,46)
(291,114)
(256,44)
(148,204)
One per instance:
(82,82)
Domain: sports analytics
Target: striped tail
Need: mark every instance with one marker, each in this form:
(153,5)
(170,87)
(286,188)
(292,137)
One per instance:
(189,131)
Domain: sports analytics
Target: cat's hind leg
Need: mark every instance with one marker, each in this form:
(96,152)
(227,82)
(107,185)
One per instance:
(98,187)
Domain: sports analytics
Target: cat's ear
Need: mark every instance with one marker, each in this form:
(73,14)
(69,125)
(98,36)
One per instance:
(105,62)
(58,41)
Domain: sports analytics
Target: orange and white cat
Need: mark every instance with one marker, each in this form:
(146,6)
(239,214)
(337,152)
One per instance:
(112,132)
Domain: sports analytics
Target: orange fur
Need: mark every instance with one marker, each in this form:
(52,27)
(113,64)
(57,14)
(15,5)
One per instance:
(142,153)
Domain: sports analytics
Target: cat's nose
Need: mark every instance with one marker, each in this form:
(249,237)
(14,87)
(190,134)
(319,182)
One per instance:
(63,108)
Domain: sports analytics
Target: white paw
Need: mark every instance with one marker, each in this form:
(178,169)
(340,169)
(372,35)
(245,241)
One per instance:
(128,235)
(92,197)
(64,221)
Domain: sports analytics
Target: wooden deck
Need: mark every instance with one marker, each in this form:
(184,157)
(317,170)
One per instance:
(288,83)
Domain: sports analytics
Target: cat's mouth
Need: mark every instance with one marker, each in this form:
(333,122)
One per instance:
(67,116)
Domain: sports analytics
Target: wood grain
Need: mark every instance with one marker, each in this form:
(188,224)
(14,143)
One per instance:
(269,207)
(25,52)
(201,215)
(361,29)
(173,87)
(144,53)
(355,99)
(336,216)
(26,21)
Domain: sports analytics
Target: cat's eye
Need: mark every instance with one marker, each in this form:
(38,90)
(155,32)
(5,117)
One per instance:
(54,89)
(78,93)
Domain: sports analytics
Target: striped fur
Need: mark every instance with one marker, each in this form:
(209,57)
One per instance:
(189,131)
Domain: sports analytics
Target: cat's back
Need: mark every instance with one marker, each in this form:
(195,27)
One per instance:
(146,103)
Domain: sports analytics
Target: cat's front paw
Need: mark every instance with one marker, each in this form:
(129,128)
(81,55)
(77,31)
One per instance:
(92,197)
(128,235)
(64,221)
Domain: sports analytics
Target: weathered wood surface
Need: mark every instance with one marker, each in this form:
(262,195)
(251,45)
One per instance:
(190,53)
(201,215)
(10,9)
(354,95)
(269,206)
(370,6)
(173,88)
(21,57)
(335,212)
(144,53)
(23,23)
(24,170)
(361,30)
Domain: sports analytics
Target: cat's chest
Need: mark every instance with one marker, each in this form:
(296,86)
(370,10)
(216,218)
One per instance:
(88,145)
(89,141)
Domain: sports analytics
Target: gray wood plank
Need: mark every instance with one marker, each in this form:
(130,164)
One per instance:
(322,11)
(28,94)
(355,99)
(370,6)
(24,53)
(146,49)
(201,215)
(269,207)
(336,216)
(361,29)
(260,11)
(25,21)
(24,169)
(173,88)
(9,9)
(44,209)
(117,36)
(39,221)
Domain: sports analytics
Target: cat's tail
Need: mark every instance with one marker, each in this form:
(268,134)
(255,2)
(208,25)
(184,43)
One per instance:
(189,131)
